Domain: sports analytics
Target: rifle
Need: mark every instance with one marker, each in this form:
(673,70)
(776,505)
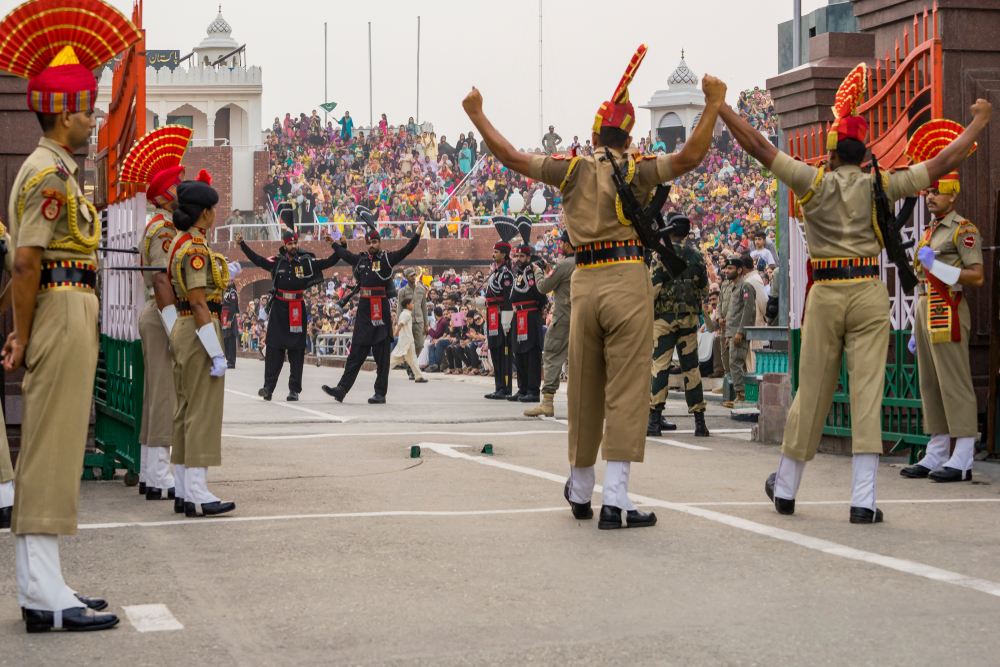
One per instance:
(889,225)
(648,222)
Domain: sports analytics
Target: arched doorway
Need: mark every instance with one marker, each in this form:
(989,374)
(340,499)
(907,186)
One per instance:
(670,129)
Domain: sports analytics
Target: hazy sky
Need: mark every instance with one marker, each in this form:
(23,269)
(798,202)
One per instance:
(493,45)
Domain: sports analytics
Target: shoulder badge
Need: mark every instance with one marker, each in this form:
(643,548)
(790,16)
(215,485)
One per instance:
(198,241)
(558,157)
(61,170)
(51,208)
(166,245)
(197,262)
(969,241)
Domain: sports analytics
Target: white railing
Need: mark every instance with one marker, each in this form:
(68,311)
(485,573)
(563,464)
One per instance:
(331,346)
(123,292)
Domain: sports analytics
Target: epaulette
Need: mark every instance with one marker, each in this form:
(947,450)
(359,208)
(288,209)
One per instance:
(898,169)
(198,241)
(558,157)
(640,158)
(195,250)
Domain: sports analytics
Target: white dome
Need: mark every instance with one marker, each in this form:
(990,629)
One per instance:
(219,25)
(682,75)
(218,41)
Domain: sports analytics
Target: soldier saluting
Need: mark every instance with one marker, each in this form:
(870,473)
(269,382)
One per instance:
(611,330)
(373,276)
(677,312)
(848,306)
(949,258)
(293,271)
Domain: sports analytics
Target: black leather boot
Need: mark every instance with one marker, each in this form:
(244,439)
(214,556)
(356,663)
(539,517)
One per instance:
(5,516)
(581,511)
(72,620)
(783,505)
(865,515)
(700,430)
(611,518)
(667,426)
(653,428)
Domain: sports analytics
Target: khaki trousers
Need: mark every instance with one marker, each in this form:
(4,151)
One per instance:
(418,336)
(554,355)
(611,334)
(197,430)
(946,378)
(57,391)
(158,397)
(851,317)
(6,467)
(738,363)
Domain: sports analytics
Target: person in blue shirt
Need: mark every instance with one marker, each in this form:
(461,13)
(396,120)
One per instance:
(659,146)
(347,123)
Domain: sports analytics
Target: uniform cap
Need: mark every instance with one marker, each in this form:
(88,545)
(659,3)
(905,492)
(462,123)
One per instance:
(156,161)
(57,45)
(930,139)
(525,249)
(288,235)
(849,125)
(619,112)
(507,229)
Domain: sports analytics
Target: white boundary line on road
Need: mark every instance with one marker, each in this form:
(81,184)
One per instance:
(152,618)
(683,445)
(492,434)
(292,406)
(823,546)
(845,502)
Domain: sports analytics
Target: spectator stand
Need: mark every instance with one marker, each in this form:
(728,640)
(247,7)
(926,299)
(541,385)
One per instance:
(903,92)
(118,386)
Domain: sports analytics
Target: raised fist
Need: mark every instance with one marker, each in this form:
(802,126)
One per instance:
(473,102)
(239,238)
(714,89)
(983,109)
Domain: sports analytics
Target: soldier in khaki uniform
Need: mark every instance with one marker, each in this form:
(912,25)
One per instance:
(677,317)
(417,292)
(611,330)
(556,349)
(199,277)
(55,231)
(949,257)
(725,292)
(847,309)
(155,162)
(742,314)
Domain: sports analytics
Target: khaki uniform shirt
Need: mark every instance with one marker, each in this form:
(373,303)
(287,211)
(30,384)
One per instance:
(156,243)
(418,294)
(725,297)
(558,284)
(742,308)
(837,205)
(193,269)
(589,193)
(45,192)
(955,241)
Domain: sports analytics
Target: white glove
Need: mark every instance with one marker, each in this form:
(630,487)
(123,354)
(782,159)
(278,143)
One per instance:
(219,366)
(946,273)
(912,345)
(210,341)
(169,317)
(234,269)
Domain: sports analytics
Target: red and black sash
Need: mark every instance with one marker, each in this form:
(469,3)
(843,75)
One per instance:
(374,296)
(522,309)
(493,316)
(294,299)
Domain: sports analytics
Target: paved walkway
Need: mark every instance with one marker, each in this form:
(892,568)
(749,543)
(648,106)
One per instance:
(345,551)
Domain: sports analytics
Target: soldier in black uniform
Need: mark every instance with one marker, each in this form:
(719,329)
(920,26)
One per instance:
(528,337)
(499,313)
(230,328)
(293,271)
(373,323)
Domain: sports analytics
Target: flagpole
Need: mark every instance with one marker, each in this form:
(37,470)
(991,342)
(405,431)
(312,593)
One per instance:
(325,98)
(418,71)
(371,117)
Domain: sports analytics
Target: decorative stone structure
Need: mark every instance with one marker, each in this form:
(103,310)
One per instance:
(674,112)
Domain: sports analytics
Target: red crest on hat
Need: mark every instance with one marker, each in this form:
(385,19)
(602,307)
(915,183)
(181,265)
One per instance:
(930,139)
(619,112)
(848,125)
(156,161)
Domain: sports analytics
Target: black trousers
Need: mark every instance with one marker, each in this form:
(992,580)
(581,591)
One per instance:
(502,372)
(274,359)
(230,348)
(463,355)
(380,351)
(529,372)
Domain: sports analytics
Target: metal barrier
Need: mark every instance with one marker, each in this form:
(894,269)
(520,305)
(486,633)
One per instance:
(331,346)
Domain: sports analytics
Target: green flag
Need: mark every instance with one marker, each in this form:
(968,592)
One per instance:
(328,107)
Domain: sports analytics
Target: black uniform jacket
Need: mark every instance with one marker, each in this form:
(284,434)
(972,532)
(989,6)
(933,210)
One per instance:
(374,276)
(524,296)
(286,324)
(230,312)
(498,287)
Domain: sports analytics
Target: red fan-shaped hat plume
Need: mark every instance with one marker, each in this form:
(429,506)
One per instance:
(929,140)
(619,112)
(848,125)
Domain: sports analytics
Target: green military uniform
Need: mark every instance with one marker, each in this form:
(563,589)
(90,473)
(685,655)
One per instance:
(159,396)
(557,336)
(197,422)
(611,328)
(841,315)
(946,393)
(742,314)
(677,311)
(48,210)
(417,292)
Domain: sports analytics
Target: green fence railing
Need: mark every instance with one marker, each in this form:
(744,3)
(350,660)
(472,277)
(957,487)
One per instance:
(902,412)
(118,392)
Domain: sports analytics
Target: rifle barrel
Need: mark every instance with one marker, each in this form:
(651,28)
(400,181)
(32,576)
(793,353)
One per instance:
(106,249)
(134,268)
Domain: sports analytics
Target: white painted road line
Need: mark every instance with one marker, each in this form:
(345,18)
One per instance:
(683,445)
(152,618)
(824,546)
(491,434)
(920,501)
(292,406)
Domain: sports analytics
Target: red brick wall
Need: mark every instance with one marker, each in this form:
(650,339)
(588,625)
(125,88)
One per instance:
(260,169)
(217,161)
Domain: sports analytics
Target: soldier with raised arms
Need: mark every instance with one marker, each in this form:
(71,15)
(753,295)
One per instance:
(611,328)
(55,231)
(847,309)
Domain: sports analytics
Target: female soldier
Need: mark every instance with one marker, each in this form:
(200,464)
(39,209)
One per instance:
(199,278)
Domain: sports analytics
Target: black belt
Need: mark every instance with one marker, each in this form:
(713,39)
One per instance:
(525,306)
(845,273)
(64,276)
(289,296)
(610,252)
(184,308)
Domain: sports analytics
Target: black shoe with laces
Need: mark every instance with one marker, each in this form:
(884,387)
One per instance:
(264,393)
(336,392)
